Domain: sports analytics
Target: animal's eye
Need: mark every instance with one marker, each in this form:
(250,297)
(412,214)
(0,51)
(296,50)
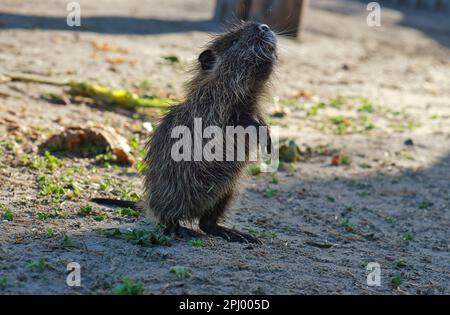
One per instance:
(234,42)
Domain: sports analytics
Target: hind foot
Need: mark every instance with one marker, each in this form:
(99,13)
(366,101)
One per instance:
(180,232)
(229,234)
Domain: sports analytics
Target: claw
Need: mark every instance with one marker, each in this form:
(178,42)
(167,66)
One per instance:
(180,232)
(229,235)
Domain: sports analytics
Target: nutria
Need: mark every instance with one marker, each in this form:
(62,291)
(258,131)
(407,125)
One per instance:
(225,89)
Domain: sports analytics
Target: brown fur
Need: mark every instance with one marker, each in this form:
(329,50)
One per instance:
(224,91)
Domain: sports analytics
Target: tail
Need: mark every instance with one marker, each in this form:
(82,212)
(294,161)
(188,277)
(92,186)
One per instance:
(115,202)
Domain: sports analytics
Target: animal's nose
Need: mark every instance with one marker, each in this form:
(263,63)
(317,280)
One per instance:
(264,27)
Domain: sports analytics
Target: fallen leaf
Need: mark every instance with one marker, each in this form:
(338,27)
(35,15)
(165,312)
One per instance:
(104,46)
(115,60)
(336,159)
(340,159)
(122,98)
(303,93)
(74,137)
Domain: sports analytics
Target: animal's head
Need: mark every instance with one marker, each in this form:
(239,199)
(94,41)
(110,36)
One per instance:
(245,54)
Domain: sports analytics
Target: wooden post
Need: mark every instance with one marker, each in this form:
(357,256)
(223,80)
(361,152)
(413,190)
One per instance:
(230,11)
(285,16)
(261,11)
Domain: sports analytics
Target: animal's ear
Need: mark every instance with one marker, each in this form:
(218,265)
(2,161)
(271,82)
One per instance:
(207,59)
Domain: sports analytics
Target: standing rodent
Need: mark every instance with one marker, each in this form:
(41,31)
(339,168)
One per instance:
(230,77)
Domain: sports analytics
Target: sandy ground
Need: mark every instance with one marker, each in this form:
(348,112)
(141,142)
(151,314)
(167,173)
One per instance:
(321,224)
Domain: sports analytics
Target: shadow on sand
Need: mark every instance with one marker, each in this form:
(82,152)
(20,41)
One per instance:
(107,24)
(434,23)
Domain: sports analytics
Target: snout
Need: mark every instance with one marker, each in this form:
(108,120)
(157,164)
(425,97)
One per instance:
(264,28)
(268,35)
